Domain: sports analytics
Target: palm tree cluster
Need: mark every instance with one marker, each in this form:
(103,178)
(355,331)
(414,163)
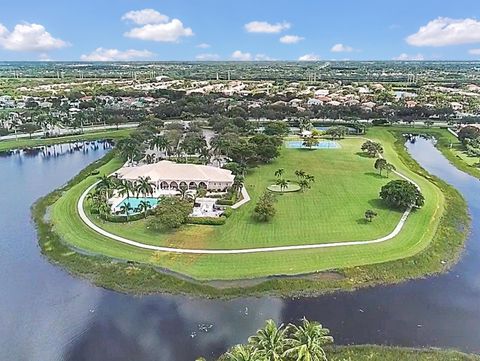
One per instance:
(304,179)
(174,142)
(284,343)
(108,184)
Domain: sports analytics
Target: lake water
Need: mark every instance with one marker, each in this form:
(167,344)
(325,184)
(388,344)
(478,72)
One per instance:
(47,315)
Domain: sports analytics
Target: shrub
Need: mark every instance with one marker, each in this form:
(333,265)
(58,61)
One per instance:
(121,218)
(171,212)
(265,207)
(228,212)
(226,202)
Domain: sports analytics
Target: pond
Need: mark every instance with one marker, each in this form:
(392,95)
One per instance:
(46,314)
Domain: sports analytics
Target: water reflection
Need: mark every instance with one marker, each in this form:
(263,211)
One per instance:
(48,315)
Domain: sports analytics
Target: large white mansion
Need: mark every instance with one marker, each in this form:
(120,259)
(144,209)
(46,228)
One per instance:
(171,176)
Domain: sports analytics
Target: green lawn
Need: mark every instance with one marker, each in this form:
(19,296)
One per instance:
(383,353)
(37,142)
(346,184)
(340,201)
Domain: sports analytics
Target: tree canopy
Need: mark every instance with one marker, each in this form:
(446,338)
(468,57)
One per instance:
(402,194)
(265,208)
(373,149)
(171,212)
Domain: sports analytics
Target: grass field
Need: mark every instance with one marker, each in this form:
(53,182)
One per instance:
(37,142)
(383,353)
(416,236)
(331,211)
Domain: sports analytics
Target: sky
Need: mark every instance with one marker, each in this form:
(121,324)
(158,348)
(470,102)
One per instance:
(241,30)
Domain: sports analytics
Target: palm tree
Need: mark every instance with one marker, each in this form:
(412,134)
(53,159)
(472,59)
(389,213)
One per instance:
(150,158)
(237,183)
(145,186)
(184,195)
(205,155)
(304,184)
(282,183)
(104,209)
(126,208)
(270,342)
(125,187)
(130,149)
(105,184)
(300,174)
(159,142)
(95,198)
(310,178)
(200,193)
(144,206)
(242,353)
(307,341)
(279,173)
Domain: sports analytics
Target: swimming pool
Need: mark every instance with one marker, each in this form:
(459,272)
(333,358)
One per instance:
(323,144)
(135,202)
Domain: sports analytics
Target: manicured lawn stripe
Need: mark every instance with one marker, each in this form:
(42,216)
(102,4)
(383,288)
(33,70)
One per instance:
(415,237)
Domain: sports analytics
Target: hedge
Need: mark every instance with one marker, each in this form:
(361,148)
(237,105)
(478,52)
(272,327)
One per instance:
(121,218)
(226,202)
(208,221)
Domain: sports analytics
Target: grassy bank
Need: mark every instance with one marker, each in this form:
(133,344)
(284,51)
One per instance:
(383,353)
(419,256)
(450,147)
(21,143)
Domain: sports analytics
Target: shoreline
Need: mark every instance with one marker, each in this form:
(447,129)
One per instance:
(108,273)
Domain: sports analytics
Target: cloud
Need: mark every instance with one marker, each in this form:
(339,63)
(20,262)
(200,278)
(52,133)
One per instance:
(166,32)
(44,57)
(102,54)
(341,48)
(207,57)
(474,51)
(406,57)
(446,31)
(263,57)
(309,57)
(29,37)
(145,16)
(265,27)
(203,46)
(291,39)
(241,56)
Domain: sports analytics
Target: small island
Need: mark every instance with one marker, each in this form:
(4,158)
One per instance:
(239,210)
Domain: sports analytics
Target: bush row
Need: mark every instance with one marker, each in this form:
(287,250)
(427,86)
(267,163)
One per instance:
(208,221)
(121,218)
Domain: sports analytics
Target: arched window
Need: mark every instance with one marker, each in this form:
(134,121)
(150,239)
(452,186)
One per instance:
(164,185)
(202,185)
(183,185)
(173,185)
(192,185)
